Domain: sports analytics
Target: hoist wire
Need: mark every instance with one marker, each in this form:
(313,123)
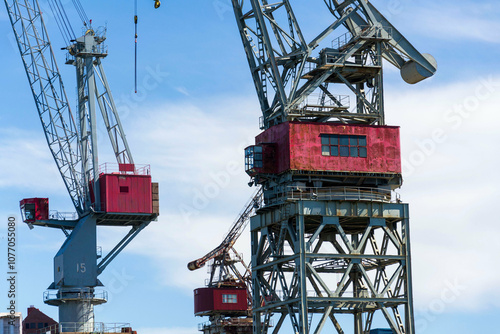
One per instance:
(62,21)
(135,57)
(81,12)
(63,12)
(65,37)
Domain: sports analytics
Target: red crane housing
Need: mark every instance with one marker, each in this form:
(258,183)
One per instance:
(228,300)
(325,147)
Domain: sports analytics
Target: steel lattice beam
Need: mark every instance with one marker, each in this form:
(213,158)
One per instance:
(290,280)
(59,125)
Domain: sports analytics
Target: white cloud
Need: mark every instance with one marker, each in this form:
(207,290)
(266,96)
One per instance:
(445,20)
(450,192)
(450,189)
(196,154)
(182,90)
(26,161)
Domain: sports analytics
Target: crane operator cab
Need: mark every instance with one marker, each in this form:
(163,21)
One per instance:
(33,209)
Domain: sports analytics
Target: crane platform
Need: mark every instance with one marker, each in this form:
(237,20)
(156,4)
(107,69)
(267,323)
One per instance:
(103,219)
(353,73)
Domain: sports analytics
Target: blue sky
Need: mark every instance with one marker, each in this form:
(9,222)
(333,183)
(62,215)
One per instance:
(195,111)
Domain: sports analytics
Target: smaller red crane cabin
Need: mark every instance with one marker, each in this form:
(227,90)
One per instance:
(127,190)
(224,300)
(34,209)
(330,147)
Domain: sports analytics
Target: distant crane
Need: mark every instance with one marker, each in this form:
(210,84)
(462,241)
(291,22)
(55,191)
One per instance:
(227,281)
(106,195)
(330,240)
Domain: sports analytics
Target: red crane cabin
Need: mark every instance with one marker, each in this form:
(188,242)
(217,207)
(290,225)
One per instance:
(34,209)
(225,300)
(328,147)
(128,190)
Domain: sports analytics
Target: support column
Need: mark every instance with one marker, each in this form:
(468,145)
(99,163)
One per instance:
(366,242)
(301,269)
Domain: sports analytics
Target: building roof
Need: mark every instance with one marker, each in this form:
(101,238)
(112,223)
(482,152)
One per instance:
(36,317)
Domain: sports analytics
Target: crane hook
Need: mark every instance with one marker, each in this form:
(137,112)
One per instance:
(157,3)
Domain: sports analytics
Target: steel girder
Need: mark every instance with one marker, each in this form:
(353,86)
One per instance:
(94,93)
(279,55)
(239,225)
(286,72)
(330,259)
(58,123)
(72,142)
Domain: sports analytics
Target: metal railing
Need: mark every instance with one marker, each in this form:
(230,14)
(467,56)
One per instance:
(318,102)
(114,168)
(75,293)
(336,57)
(375,32)
(56,215)
(94,328)
(229,322)
(295,193)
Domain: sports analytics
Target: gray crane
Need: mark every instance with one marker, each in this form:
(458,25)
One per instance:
(106,195)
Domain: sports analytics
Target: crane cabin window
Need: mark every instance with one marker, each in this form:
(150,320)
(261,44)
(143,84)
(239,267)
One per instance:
(29,211)
(343,146)
(253,157)
(229,299)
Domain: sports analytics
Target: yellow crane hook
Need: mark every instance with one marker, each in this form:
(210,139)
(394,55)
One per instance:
(157,3)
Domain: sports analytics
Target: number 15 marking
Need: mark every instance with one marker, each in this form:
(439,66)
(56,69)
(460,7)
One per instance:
(80,267)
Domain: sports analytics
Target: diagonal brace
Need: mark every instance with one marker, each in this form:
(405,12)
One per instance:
(120,246)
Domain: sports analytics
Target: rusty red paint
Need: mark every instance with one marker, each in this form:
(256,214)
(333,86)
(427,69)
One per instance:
(125,193)
(126,167)
(209,300)
(40,206)
(298,147)
(277,136)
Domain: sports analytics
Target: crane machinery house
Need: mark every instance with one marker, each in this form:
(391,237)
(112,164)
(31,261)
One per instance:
(128,189)
(343,150)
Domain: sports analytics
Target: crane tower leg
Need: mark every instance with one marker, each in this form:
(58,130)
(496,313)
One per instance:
(75,277)
(333,259)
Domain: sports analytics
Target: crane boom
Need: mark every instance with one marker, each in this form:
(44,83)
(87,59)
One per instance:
(234,233)
(71,140)
(59,125)
(281,59)
(398,50)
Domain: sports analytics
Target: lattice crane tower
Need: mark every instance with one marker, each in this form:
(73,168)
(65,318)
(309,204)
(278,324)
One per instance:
(331,239)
